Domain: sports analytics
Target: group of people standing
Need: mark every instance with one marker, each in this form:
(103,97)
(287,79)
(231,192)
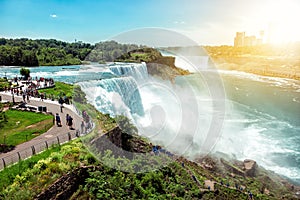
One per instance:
(69,121)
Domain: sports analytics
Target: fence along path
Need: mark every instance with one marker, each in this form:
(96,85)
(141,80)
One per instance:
(55,135)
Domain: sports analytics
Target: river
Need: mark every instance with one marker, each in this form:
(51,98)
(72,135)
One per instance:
(256,117)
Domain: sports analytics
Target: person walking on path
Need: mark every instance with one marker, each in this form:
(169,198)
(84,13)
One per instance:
(42,97)
(67,119)
(27,97)
(61,102)
(57,119)
(70,122)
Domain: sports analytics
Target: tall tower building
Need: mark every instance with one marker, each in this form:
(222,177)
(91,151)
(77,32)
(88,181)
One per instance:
(239,39)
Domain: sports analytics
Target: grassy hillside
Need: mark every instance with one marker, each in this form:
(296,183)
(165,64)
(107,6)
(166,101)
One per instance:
(70,171)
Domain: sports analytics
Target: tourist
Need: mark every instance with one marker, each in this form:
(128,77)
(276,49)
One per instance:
(28,98)
(67,119)
(58,121)
(61,108)
(70,122)
(82,127)
(61,102)
(250,195)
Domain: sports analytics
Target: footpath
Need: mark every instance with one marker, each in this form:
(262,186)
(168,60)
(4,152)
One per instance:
(54,132)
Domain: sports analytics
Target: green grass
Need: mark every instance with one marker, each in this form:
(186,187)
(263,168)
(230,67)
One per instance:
(23,125)
(29,177)
(8,174)
(60,89)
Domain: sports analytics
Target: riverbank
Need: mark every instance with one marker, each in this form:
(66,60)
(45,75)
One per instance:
(266,60)
(260,66)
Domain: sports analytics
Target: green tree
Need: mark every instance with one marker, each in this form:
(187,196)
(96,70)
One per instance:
(126,125)
(25,72)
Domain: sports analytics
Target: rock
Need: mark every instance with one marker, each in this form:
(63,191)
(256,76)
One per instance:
(231,168)
(266,191)
(209,184)
(120,143)
(250,167)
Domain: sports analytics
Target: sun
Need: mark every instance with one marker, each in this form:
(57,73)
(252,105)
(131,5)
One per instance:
(281,19)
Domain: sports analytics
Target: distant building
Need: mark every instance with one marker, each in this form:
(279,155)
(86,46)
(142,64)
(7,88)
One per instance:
(241,40)
(250,41)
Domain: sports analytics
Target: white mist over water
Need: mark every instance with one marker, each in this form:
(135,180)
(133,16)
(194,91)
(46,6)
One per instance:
(262,114)
(261,120)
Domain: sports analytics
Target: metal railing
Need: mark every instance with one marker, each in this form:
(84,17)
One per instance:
(38,148)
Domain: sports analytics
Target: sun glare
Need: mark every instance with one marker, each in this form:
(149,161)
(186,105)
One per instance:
(281,19)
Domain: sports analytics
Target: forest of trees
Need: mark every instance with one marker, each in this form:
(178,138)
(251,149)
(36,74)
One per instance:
(48,52)
(109,51)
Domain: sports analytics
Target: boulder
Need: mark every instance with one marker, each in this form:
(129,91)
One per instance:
(250,167)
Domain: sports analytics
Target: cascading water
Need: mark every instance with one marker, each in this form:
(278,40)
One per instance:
(115,96)
(118,96)
(138,71)
(261,121)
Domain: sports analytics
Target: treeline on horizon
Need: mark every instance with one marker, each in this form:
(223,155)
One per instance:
(51,52)
(287,50)
(290,50)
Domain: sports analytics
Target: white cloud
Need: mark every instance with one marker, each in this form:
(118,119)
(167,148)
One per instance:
(53,16)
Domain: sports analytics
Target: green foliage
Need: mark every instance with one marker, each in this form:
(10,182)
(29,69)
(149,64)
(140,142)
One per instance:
(60,90)
(79,95)
(4,84)
(29,52)
(126,125)
(48,52)
(8,175)
(164,183)
(25,72)
(106,122)
(29,177)
(140,55)
(109,51)
(17,56)
(3,117)
(48,56)
(20,126)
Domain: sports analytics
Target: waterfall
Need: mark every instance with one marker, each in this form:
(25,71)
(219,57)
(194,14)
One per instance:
(138,71)
(115,95)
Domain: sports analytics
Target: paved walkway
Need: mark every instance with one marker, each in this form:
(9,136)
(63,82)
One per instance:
(53,107)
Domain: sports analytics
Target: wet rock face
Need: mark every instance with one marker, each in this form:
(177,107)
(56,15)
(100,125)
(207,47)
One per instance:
(250,167)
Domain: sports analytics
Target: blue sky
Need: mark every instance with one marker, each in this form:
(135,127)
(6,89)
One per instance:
(205,21)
